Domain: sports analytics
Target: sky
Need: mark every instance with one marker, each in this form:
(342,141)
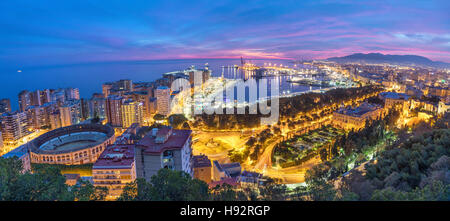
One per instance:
(46,32)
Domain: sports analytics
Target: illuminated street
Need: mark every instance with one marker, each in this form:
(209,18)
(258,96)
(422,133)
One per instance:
(24,140)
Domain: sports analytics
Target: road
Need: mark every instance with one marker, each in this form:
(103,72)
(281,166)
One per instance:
(265,160)
(295,174)
(22,141)
(216,144)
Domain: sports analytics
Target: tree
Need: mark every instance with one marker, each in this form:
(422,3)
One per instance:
(256,150)
(300,193)
(273,192)
(159,117)
(172,185)
(323,154)
(198,190)
(251,141)
(348,196)
(95,120)
(166,185)
(321,190)
(405,168)
(46,183)
(10,171)
(318,187)
(224,192)
(138,190)
(186,126)
(85,191)
(177,120)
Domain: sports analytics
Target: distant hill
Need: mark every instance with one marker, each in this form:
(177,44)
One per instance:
(377,58)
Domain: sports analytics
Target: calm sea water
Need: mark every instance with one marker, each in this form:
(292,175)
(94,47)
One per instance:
(89,77)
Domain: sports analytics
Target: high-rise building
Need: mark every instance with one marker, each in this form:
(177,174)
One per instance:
(97,95)
(202,75)
(40,97)
(114,110)
(117,88)
(1,142)
(125,84)
(36,117)
(106,87)
(14,126)
(58,96)
(97,107)
(144,98)
(25,100)
(55,119)
(35,98)
(163,100)
(144,86)
(5,105)
(49,109)
(45,96)
(153,105)
(132,112)
(72,93)
(70,113)
(84,109)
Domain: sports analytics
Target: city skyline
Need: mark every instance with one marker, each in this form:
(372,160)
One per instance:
(67,32)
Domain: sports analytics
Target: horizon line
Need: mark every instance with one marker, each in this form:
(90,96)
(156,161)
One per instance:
(212,58)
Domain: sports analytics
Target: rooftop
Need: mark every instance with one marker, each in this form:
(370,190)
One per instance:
(230,165)
(114,97)
(117,156)
(360,110)
(230,169)
(12,113)
(70,103)
(48,104)
(201,161)
(394,95)
(229,181)
(165,138)
(251,174)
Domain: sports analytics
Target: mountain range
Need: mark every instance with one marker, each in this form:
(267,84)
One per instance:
(378,58)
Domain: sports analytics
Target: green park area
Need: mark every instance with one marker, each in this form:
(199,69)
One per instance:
(300,148)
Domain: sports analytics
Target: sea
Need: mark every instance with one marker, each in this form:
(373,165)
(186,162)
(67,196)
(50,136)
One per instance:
(88,77)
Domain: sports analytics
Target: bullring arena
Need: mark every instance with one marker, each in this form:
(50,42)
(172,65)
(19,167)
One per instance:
(76,144)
